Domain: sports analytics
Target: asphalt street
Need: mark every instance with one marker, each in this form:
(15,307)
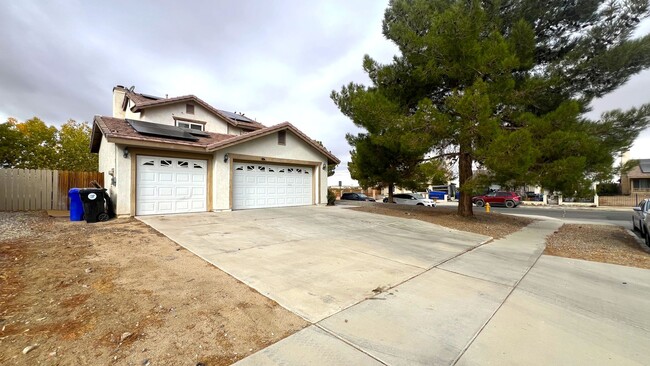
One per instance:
(598,215)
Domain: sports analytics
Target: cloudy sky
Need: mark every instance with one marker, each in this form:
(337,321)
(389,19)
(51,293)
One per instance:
(273,60)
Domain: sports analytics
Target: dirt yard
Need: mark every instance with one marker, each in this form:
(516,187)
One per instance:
(598,243)
(492,224)
(120,293)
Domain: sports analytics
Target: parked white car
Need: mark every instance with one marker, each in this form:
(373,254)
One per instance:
(411,199)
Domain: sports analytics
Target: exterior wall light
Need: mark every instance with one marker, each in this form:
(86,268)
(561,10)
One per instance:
(325,166)
(125,152)
(225,158)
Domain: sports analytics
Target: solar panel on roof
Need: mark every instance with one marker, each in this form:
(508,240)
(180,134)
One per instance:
(156,129)
(194,132)
(645,165)
(237,117)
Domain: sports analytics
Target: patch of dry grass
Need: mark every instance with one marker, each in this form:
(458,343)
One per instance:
(492,224)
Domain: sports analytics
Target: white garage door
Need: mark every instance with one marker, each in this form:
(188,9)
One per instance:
(265,185)
(170,185)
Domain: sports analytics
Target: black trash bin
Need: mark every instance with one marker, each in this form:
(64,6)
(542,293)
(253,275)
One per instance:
(94,201)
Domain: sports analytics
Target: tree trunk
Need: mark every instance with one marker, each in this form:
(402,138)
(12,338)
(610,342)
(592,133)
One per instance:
(391,189)
(464,175)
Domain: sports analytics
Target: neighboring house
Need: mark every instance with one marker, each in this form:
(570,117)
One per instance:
(177,155)
(637,180)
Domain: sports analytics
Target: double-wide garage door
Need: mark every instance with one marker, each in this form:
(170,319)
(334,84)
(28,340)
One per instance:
(270,185)
(170,185)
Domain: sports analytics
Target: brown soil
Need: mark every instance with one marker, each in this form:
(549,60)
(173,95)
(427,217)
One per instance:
(598,243)
(492,224)
(121,293)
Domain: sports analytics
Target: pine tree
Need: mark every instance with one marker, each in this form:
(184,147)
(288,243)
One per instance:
(505,85)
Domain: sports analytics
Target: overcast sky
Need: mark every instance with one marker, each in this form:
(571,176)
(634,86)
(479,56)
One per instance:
(275,61)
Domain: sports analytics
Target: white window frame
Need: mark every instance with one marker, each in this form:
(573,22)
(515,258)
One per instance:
(189,125)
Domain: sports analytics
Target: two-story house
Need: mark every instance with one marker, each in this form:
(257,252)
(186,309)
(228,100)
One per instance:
(637,180)
(177,155)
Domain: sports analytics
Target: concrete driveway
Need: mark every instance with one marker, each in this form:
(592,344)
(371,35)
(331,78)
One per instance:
(315,261)
(440,299)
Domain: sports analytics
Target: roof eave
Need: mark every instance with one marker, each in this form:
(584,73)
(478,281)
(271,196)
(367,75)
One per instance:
(135,142)
(269,130)
(95,137)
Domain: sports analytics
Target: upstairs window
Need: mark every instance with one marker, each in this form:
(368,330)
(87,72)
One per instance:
(282,137)
(189,108)
(190,125)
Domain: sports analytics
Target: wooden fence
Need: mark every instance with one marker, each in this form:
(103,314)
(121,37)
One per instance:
(28,190)
(625,201)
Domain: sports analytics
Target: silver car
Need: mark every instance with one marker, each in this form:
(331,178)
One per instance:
(641,219)
(411,199)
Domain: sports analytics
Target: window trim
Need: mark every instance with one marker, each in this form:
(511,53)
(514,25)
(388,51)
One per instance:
(190,124)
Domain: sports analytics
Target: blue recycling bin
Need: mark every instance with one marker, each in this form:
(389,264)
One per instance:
(76,206)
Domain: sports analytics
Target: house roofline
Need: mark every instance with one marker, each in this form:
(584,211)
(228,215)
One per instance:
(269,130)
(138,106)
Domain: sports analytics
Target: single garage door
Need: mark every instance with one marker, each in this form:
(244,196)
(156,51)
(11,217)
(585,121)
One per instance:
(266,185)
(170,185)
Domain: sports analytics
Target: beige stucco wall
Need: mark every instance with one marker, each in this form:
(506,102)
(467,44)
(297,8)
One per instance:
(267,146)
(165,115)
(129,113)
(107,154)
(111,157)
(123,169)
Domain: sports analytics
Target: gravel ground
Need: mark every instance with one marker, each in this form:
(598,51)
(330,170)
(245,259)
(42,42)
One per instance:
(598,243)
(14,225)
(492,224)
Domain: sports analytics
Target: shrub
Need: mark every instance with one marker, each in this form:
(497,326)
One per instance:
(331,197)
(608,189)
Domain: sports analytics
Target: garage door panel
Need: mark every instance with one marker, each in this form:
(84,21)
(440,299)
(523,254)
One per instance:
(148,177)
(182,205)
(147,206)
(170,185)
(147,192)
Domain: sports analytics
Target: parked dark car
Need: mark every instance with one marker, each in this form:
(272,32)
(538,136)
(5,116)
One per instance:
(641,219)
(356,197)
(500,198)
